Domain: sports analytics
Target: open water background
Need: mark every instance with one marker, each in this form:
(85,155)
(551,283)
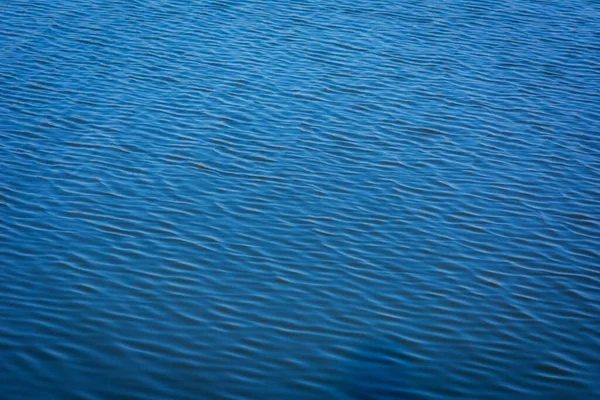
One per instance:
(299,199)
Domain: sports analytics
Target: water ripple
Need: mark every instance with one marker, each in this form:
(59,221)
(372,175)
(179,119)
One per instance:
(320,199)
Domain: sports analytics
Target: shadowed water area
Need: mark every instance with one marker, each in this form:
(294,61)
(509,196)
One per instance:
(300,199)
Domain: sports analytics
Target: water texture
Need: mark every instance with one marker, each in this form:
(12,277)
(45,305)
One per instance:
(286,199)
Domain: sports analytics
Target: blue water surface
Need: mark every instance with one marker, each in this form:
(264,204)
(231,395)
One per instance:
(299,199)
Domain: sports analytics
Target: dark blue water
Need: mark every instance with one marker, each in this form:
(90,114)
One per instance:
(299,199)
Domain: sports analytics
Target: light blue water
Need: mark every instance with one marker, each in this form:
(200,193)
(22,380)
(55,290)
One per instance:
(299,199)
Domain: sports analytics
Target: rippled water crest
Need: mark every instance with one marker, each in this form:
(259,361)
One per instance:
(299,199)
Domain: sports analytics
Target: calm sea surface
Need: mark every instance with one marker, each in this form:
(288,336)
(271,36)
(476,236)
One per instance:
(281,199)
